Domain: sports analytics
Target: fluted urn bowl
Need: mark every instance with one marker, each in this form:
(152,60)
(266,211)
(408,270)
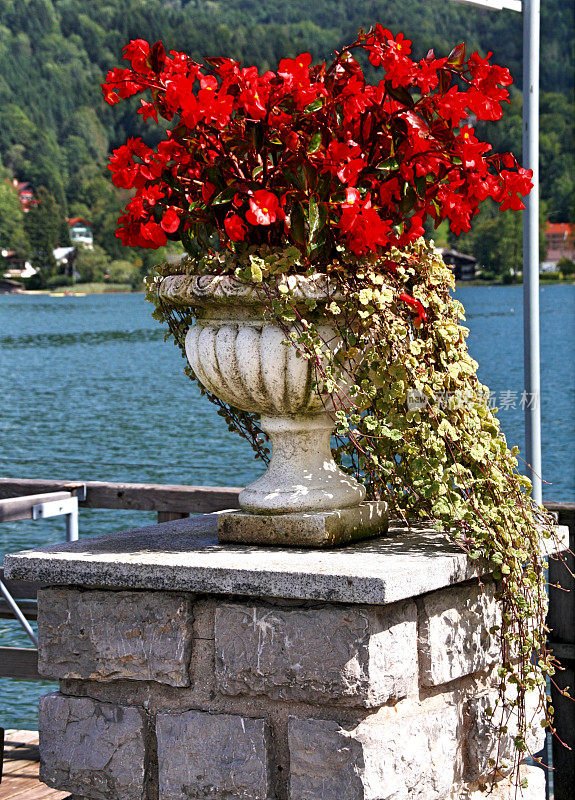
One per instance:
(246,360)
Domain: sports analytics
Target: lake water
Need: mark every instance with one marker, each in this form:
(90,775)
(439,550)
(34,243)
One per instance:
(90,391)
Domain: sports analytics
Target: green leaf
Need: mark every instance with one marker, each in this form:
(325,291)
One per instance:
(317,217)
(315,105)
(388,165)
(297,178)
(256,273)
(420,185)
(225,196)
(314,143)
(309,174)
(324,185)
(457,56)
(297,224)
(400,94)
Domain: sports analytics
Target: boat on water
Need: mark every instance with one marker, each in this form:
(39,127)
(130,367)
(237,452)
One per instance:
(67,294)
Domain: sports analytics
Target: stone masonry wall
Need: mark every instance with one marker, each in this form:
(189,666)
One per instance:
(168,696)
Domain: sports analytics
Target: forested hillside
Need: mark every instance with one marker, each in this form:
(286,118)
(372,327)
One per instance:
(56,132)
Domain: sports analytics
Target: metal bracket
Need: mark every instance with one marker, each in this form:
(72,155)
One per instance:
(55,508)
(78,490)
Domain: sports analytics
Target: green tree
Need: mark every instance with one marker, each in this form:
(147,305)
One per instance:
(44,225)
(92,265)
(56,131)
(12,233)
(122,271)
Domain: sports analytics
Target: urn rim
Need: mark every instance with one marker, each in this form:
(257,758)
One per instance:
(225,290)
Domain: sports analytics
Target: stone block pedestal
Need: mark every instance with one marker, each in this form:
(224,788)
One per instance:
(192,670)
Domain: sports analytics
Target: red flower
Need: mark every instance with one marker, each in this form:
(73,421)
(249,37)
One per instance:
(171,220)
(235,228)
(397,157)
(121,83)
(148,110)
(153,235)
(515,184)
(415,304)
(426,76)
(295,70)
(365,230)
(137,51)
(264,208)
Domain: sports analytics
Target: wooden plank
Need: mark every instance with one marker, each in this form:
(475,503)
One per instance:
(15,508)
(20,663)
(168,516)
(18,738)
(20,771)
(561,616)
(563,651)
(28,607)
(133,496)
(41,792)
(17,768)
(20,590)
(561,620)
(29,788)
(563,759)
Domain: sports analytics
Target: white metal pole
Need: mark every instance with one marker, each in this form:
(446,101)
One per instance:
(19,614)
(532,397)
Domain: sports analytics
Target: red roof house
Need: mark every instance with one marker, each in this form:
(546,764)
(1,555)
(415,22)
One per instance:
(560,241)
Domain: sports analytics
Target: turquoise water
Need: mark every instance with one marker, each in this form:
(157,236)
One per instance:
(90,391)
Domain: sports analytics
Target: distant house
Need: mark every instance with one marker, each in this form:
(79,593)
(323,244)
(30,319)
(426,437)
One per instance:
(81,232)
(65,257)
(25,194)
(14,265)
(463,266)
(10,287)
(560,241)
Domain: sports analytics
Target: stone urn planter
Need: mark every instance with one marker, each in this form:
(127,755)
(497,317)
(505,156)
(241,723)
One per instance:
(244,359)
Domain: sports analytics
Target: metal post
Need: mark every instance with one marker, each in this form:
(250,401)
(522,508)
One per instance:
(531,25)
(72,525)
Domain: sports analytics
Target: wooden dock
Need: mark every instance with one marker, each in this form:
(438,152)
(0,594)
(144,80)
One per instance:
(20,769)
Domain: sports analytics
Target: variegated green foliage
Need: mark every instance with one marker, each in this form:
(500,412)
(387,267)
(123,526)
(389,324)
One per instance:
(414,426)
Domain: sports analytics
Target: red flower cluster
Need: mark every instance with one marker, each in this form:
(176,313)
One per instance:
(311,155)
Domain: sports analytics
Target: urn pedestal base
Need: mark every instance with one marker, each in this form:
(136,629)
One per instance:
(305,529)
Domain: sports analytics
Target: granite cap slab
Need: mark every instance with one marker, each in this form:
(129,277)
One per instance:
(184,555)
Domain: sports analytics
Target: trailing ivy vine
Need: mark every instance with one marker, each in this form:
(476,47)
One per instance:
(413,424)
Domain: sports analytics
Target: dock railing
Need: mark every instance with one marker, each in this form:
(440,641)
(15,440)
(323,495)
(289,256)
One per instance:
(39,499)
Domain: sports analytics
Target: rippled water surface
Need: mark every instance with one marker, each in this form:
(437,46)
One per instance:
(90,391)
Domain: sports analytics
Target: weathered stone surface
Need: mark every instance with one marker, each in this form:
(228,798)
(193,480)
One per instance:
(412,759)
(454,632)
(106,636)
(352,655)
(184,555)
(216,756)
(305,529)
(93,749)
(483,744)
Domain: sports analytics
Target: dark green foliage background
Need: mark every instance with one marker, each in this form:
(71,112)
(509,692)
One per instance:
(56,132)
